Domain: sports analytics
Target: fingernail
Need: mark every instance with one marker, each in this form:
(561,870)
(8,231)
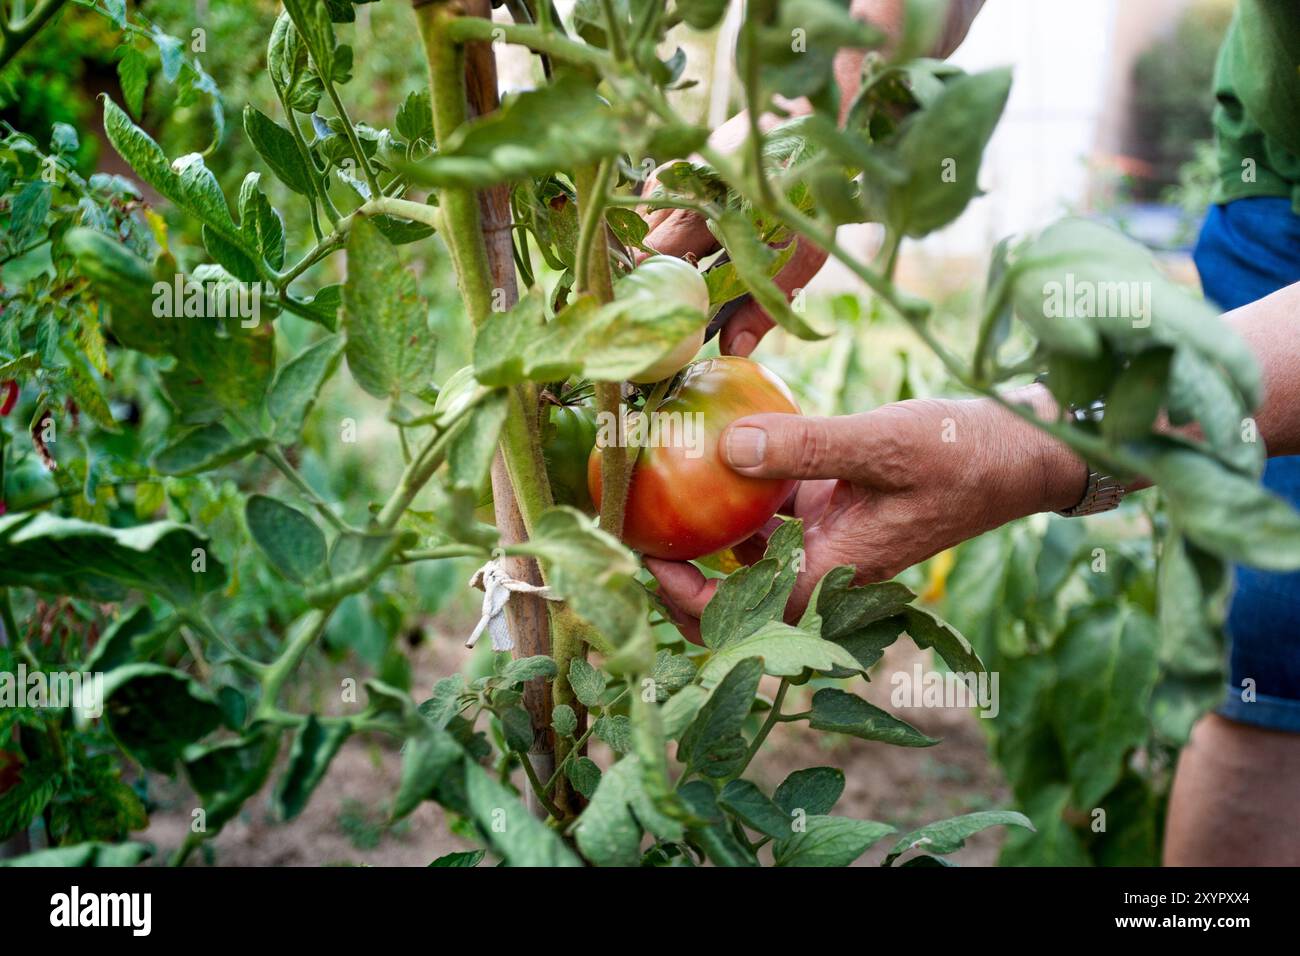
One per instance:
(743,343)
(744,446)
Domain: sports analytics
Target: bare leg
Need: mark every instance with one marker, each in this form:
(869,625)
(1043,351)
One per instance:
(1236,798)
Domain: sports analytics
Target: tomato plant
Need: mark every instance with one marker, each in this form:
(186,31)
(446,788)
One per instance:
(683,501)
(207,498)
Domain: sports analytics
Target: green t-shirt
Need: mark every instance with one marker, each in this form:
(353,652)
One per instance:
(1257,85)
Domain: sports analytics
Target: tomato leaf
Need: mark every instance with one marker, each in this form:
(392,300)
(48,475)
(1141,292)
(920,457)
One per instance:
(844,713)
(390,347)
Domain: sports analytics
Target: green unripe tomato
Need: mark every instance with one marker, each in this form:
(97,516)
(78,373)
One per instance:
(668,279)
(566,444)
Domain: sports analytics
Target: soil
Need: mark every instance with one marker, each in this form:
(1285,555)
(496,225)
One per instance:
(345,821)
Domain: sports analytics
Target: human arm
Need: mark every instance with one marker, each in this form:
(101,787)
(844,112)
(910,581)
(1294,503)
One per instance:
(884,489)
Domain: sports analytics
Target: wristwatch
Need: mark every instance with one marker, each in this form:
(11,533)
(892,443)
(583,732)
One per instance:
(1103,492)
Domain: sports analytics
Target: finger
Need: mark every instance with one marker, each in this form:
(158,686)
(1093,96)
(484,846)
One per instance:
(752,549)
(679,232)
(800,446)
(689,626)
(682,584)
(751,323)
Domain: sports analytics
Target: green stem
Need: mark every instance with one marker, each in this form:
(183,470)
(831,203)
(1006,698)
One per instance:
(580,743)
(617,45)
(275,456)
(12,637)
(538,39)
(18,35)
(542,797)
(773,717)
(591,232)
(441,552)
(357,151)
(200,624)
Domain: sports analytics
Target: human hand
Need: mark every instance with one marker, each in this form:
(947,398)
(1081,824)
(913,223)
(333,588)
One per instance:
(885,489)
(681,232)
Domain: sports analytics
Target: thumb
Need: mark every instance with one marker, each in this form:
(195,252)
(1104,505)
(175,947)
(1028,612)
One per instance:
(798,446)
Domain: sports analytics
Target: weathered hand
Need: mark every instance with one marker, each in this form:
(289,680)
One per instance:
(678,232)
(885,489)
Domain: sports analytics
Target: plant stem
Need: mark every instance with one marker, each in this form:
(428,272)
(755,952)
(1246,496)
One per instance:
(542,796)
(275,456)
(540,39)
(773,717)
(17,35)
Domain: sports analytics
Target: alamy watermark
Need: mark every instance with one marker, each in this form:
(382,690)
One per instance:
(83,690)
(186,297)
(932,689)
(1085,299)
(659,429)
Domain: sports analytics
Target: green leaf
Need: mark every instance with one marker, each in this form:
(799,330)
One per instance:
(278,150)
(474,445)
(588,683)
(676,715)
(1137,396)
(615,731)
(203,449)
(607,833)
(926,630)
(131,637)
(80,855)
(68,556)
(513,833)
(949,836)
(460,858)
(754,596)
(133,76)
(844,713)
(426,757)
(786,651)
(671,673)
(941,148)
(314,746)
(228,773)
(814,791)
(290,540)
(564,720)
(298,383)
(156,712)
(606,343)
(259,222)
(584,774)
(415,116)
(517,729)
(123,281)
(538,667)
(713,743)
(1106,669)
(23,802)
(1079,283)
(714,837)
(752,260)
(1223,511)
(187,182)
(590,569)
(390,347)
(829,841)
(753,808)
(558,126)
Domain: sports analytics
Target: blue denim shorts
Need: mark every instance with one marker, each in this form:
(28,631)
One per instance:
(1248,249)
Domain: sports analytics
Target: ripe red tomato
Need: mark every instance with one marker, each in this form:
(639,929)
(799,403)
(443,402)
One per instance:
(684,502)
